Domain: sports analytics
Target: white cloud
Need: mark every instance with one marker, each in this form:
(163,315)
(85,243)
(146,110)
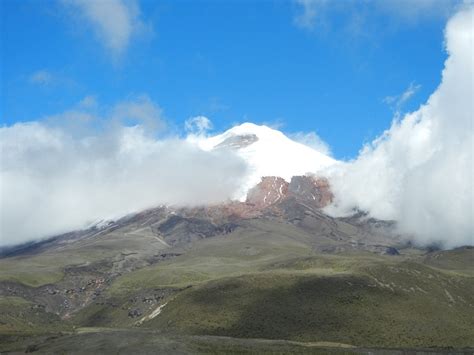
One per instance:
(420,171)
(115,22)
(42,77)
(61,175)
(312,140)
(198,125)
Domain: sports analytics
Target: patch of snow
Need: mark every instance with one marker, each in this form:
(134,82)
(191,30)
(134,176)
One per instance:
(153,314)
(157,311)
(448,295)
(162,242)
(101,223)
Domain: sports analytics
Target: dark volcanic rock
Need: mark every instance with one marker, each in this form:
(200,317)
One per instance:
(134,313)
(391,251)
(180,230)
(238,142)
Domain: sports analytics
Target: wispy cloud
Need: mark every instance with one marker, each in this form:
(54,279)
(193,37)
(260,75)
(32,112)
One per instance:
(412,11)
(41,77)
(312,15)
(46,78)
(309,12)
(88,102)
(311,139)
(198,125)
(396,102)
(115,22)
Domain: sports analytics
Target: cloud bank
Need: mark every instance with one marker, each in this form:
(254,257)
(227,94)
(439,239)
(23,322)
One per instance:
(62,175)
(420,171)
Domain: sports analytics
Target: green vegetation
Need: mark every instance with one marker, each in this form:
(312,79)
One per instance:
(48,267)
(32,271)
(112,341)
(356,299)
(262,288)
(350,309)
(459,260)
(20,316)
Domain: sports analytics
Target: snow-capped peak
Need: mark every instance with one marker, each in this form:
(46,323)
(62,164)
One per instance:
(268,152)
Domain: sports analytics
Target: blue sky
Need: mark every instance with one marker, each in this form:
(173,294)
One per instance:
(301,65)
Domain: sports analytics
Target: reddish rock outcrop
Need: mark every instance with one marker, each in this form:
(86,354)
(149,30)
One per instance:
(269,191)
(310,189)
(268,196)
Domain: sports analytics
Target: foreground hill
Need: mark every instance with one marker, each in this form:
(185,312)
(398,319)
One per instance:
(271,274)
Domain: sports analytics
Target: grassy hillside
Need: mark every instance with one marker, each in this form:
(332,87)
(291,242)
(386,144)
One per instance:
(359,300)
(385,307)
(261,283)
(38,269)
(460,260)
(265,285)
(20,316)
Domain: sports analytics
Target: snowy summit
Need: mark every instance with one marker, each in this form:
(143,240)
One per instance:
(267,152)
